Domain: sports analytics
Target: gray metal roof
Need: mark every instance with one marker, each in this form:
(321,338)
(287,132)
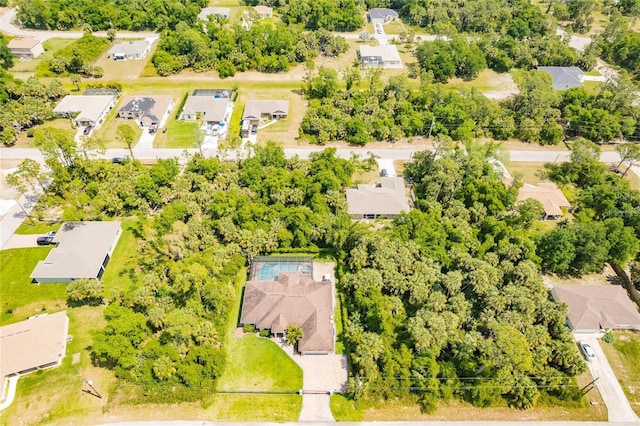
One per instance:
(82,248)
(564,77)
(382,13)
(130,48)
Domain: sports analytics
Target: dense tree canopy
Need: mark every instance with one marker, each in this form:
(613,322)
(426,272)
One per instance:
(103,15)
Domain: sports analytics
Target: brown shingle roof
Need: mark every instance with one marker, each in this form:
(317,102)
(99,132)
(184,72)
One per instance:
(292,299)
(548,194)
(595,307)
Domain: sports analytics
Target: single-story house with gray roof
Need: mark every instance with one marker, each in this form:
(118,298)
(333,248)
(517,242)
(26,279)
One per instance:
(216,12)
(563,78)
(386,199)
(380,15)
(83,251)
(384,56)
(291,298)
(36,343)
(25,48)
(597,308)
(130,50)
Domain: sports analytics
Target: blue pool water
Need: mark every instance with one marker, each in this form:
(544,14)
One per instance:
(271,270)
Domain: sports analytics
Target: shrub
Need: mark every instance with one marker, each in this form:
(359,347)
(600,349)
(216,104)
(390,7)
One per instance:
(608,337)
(249,328)
(265,333)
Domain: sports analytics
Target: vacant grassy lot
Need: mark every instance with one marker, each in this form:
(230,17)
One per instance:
(623,355)
(180,134)
(59,123)
(19,297)
(531,173)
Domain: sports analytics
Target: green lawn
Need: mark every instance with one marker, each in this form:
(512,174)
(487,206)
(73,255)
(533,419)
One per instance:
(180,134)
(623,355)
(39,227)
(255,408)
(20,298)
(258,364)
(121,271)
(344,410)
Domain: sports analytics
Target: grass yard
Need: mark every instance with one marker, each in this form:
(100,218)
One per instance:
(49,396)
(123,70)
(258,364)
(107,132)
(180,134)
(121,271)
(51,46)
(623,356)
(19,297)
(59,123)
(39,227)
(531,173)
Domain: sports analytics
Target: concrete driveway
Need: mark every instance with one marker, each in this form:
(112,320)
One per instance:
(617,404)
(388,166)
(22,241)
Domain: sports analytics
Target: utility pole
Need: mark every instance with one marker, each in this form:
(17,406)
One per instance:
(589,386)
(90,383)
(433,123)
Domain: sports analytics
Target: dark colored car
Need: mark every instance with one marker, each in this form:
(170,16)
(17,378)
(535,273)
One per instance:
(117,160)
(384,173)
(45,241)
(87,130)
(254,129)
(153,128)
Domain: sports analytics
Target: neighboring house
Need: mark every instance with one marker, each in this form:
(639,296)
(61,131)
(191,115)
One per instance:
(549,195)
(563,78)
(264,11)
(382,15)
(217,12)
(386,199)
(597,308)
(25,48)
(31,345)
(83,251)
(292,299)
(130,50)
(254,111)
(86,110)
(385,56)
(146,110)
(214,111)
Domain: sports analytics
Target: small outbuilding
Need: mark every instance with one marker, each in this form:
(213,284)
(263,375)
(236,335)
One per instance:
(130,50)
(384,56)
(25,48)
(549,195)
(37,343)
(597,308)
(83,251)
(86,110)
(386,199)
(563,78)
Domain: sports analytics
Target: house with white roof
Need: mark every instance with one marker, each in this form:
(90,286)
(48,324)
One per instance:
(25,48)
(130,50)
(214,109)
(563,78)
(384,56)
(86,110)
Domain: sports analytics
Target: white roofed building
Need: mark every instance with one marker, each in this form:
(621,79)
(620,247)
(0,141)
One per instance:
(91,110)
(386,199)
(130,50)
(384,56)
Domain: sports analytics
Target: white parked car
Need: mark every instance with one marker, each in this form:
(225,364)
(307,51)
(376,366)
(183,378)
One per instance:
(587,350)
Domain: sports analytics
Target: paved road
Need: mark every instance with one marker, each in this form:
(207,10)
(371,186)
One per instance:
(12,220)
(614,398)
(9,17)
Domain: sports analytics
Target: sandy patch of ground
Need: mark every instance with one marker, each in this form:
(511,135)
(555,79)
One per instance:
(504,87)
